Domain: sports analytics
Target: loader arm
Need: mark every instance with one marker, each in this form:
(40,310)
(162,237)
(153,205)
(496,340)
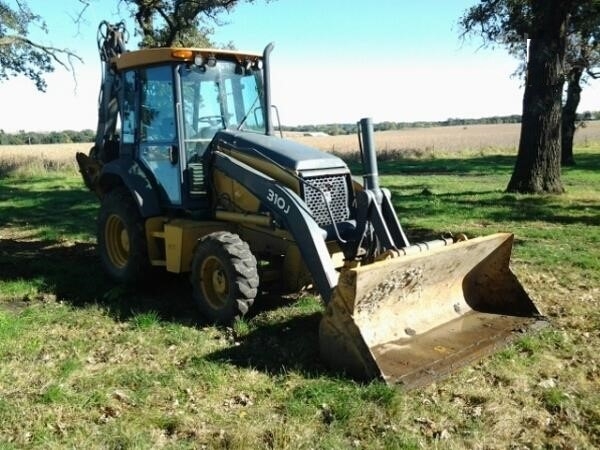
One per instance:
(291,211)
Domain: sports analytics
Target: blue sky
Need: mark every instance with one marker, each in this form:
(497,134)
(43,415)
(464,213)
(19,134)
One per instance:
(334,61)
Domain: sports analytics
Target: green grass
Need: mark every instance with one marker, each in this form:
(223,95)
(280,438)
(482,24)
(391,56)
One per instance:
(88,364)
(146,320)
(51,207)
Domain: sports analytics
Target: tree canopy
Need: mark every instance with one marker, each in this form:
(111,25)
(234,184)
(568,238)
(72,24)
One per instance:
(19,54)
(178,23)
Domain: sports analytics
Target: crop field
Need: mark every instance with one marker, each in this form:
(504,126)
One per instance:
(439,140)
(31,159)
(86,363)
(418,142)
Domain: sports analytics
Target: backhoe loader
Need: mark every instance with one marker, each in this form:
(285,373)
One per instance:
(192,177)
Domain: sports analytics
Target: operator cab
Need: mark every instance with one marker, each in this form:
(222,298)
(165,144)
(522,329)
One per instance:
(172,110)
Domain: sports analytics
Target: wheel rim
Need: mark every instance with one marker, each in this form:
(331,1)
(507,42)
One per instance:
(214,282)
(117,241)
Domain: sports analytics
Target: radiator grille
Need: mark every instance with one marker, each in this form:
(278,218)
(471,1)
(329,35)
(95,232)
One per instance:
(335,189)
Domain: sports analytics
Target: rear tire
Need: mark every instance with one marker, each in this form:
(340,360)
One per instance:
(224,277)
(121,238)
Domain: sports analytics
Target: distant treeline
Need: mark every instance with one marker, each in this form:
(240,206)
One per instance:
(350,128)
(70,136)
(52,137)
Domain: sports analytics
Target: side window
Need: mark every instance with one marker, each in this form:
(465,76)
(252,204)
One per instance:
(158,107)
(129,114)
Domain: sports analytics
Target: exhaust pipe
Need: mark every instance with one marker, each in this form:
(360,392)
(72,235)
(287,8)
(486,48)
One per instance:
(368,156)
(267,87)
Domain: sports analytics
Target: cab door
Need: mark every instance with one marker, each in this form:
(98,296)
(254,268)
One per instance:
(158,141)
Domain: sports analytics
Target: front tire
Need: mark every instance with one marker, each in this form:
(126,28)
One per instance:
(121,238)
(224,277)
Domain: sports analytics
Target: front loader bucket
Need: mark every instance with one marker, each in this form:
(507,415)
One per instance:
(413,319)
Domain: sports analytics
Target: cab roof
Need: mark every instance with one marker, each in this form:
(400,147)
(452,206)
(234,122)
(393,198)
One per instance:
(149,56)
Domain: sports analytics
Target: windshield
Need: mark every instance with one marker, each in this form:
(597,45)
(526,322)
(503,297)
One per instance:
(223,96)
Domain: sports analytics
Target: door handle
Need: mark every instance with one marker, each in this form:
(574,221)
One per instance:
(174,154)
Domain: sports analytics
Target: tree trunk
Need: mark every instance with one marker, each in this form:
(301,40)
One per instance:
(537,169)
(569,116)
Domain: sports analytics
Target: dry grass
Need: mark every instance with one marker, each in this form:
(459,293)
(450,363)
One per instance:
(419,142)
(37,159)
(429,141)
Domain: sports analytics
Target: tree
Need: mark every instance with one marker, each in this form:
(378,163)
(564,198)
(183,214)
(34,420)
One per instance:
(537,168)
(546,23)
(581,63)
(20,55)
(177,23)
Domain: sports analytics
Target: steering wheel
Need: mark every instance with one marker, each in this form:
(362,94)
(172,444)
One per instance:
(213,120)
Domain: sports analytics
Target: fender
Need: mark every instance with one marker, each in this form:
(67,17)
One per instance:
(129,173)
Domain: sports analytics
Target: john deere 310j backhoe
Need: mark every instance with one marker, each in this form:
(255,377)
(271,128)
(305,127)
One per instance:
(191,177)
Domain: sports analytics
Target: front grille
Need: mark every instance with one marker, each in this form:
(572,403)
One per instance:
(334,191)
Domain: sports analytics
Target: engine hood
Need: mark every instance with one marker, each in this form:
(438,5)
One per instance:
(289,154)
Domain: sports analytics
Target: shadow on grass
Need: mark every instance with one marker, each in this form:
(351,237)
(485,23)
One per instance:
(72,274)
(479,165)
(513,208)
(276,348)
(486,165)
(585,161)
(60,217)
(56,211)
(492,207)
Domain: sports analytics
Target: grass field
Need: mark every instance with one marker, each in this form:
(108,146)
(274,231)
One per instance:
(87,364)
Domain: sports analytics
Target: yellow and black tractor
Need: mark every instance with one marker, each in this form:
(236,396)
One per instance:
(192,177)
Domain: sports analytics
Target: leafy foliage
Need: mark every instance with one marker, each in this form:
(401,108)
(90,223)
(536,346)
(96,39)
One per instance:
(177,23)
(511,22)
(16,56)
(506,22)
(19,55)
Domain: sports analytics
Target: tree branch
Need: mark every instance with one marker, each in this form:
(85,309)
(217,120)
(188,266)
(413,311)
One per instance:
(594,74)
(86,5)
(52,52)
